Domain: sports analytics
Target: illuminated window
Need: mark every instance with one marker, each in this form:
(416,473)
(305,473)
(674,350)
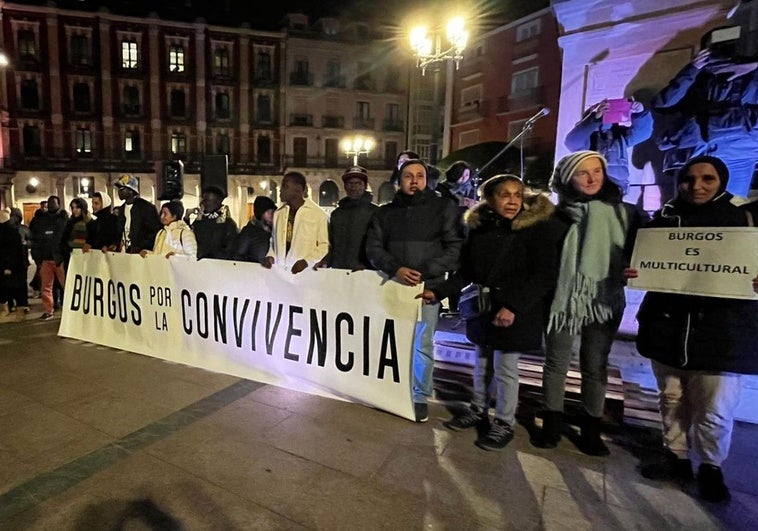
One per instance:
(129,54)
(27,45)
(176,58)
(131,144)
(83,141)
(221,62)
(178,143)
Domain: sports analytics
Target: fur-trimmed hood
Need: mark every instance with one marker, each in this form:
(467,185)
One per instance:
(537,208)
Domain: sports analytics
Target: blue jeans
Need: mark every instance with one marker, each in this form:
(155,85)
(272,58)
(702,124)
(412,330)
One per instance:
(423,353)
(596,341)
(505,367)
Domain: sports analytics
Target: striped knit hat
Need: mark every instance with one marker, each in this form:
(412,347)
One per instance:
(568,165)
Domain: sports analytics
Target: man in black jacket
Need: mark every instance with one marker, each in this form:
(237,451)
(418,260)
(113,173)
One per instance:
(416,239)
(138,218)
(349,223)
(46,230)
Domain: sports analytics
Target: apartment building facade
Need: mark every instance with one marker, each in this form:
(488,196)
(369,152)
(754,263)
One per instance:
(507,75)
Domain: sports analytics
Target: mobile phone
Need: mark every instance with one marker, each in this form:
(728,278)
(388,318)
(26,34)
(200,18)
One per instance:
(619,110)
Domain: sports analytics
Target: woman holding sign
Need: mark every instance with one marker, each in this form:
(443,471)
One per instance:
(698,345)
(589,299)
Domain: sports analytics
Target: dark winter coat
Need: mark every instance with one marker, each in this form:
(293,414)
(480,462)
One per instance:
(348,226)
(419,231)
(518,260)
(144,226)
(105,230)
(252,242)
(215,236)
(12,257)
(46,229)
(694,332)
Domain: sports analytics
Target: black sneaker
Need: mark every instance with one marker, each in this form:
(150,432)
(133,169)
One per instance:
(710,482)
(421,411)
(46,316)
(499,436)
(472,416)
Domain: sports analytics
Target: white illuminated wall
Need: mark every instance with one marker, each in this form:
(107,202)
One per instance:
(633,48)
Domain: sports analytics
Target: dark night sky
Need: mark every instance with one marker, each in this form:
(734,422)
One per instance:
(265,15)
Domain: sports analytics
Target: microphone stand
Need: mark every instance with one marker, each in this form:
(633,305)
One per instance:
(526,127)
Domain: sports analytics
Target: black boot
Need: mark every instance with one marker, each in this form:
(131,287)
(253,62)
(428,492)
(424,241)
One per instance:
(669,468)
(710,482)
(550,433)
(590,442)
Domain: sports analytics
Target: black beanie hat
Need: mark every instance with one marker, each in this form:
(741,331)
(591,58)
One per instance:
(261,205)
(717,163)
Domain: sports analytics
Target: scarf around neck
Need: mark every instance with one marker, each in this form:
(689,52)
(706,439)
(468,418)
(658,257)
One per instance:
(589,290)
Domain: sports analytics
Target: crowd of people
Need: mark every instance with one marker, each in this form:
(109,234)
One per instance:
(555,273)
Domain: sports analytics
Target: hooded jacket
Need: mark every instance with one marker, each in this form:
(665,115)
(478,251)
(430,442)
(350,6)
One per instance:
(518,260)
(693,332)
(105,229)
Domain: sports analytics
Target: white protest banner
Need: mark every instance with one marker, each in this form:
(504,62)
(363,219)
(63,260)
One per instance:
(328,332)
(710,261)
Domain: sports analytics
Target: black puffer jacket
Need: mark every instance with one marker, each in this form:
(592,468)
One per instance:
(518,260)
(419,231)
(693,332)
(105,230)
(46,230)
(348,225)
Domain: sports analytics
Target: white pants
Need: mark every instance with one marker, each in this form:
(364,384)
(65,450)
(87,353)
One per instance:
(701,401)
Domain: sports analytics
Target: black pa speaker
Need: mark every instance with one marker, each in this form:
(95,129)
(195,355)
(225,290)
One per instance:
(171,180)
(215,172)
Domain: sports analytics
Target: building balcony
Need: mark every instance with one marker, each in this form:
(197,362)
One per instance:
(525,99)
(526,47)
(333,122)
(301,120)
(332,162)
(393,125)
(364,123)
(334,82)
(303,79)
(473,110)
(365,82)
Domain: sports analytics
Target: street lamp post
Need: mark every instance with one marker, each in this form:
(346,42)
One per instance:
(357,145)
(428,52)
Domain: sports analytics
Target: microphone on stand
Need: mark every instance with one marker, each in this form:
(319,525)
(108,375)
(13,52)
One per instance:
(544,111)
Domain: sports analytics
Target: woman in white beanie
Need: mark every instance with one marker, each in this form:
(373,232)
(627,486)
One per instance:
(589,301)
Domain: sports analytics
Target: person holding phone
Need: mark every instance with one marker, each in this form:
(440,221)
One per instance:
(612,139)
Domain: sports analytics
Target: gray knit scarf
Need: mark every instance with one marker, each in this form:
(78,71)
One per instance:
(588,290)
